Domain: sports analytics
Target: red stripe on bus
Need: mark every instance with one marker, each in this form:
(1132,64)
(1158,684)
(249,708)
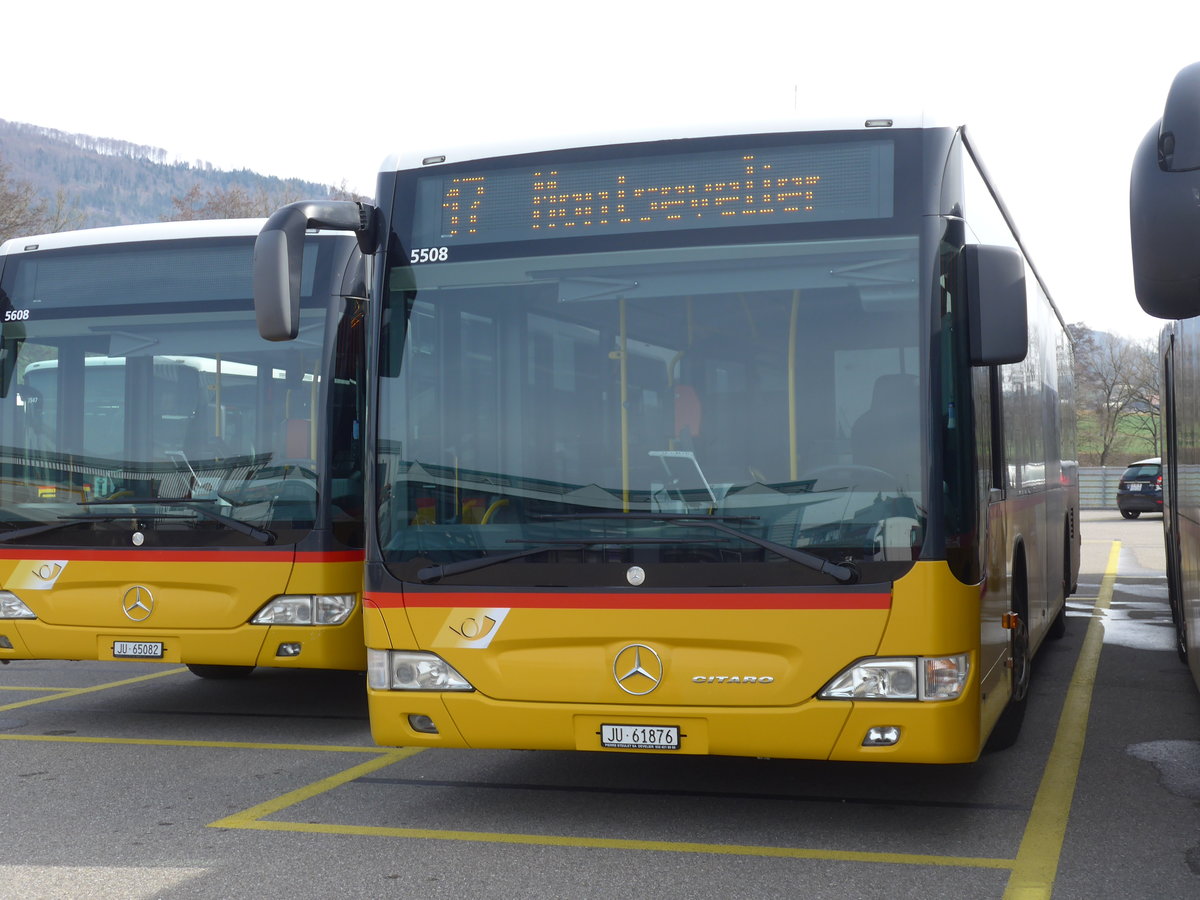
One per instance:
(191,556)
(330,556)
(643,601)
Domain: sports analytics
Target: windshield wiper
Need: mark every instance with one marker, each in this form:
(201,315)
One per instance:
(261,535)
(434,573)
(63,522)
(845,574)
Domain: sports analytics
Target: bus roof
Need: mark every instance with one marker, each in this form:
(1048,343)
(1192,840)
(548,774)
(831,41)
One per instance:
(199,363)
(438,155)
(120,234)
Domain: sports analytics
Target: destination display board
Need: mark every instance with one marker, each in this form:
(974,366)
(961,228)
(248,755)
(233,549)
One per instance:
(706,189)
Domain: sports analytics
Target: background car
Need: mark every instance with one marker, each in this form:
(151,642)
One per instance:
(1140,488)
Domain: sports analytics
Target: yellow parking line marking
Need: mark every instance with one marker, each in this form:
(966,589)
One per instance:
(207,745)
(248,818)
(1041,846)
(10,687)
(253,819)
(75,692)
(550,840)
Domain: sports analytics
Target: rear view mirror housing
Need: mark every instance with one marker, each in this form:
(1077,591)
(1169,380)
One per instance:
(1164,205)
(996,304)
(279,256)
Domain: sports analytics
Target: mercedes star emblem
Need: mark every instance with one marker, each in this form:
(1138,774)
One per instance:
(138,603)
(638,669)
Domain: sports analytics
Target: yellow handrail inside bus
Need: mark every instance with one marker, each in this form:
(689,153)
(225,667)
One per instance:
(492,510)
(217,398)
(623,358)
(792,465)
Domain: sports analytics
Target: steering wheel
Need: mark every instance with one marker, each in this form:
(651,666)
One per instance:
(863,478)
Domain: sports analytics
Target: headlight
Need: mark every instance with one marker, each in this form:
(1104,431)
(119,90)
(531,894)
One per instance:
(405,670)
(875,679)
(901,678)
(11,607)
(306,609)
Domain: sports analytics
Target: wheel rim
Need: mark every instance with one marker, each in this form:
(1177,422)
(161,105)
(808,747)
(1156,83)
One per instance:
(1020,651)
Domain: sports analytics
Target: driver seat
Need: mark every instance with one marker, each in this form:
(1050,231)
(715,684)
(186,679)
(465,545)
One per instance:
(886,436)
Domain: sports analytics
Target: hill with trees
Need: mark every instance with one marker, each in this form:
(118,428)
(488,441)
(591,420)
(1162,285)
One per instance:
(52,180)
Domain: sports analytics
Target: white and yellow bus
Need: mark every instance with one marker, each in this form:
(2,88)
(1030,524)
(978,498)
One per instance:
(747,444)
(173,487)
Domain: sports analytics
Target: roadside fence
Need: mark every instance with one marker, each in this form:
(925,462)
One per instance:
(1098,486)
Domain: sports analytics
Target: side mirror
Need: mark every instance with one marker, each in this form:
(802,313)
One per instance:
(279,258)
(996,304)
(1164,206)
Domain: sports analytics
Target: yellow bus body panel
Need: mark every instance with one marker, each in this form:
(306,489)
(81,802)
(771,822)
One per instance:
(740,670)
(197,605)
(933,614)
(324,646)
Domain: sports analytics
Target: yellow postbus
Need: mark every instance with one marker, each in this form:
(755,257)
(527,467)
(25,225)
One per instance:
(707,443)
(172,487)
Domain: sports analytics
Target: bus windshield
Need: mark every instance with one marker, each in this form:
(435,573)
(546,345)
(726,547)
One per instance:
(604,400)
(138,398)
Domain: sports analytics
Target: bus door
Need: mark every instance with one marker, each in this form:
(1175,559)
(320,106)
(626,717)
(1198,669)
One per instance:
(993,469)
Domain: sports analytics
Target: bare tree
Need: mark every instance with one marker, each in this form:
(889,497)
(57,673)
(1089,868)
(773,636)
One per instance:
(1145,416)
(343,192)
(22,212)
(215,203)
(63,214)
(1117,386)
(236,203)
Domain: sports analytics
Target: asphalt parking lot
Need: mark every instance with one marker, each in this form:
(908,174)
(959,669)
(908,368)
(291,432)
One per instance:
(140,780)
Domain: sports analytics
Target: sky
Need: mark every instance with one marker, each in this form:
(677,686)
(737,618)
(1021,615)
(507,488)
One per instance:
(1057,94)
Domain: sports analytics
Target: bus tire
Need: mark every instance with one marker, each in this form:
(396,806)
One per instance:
(219,672)
(1175,599)
(1008,726)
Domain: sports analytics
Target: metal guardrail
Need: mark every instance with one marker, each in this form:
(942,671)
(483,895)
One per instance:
(1098,486)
